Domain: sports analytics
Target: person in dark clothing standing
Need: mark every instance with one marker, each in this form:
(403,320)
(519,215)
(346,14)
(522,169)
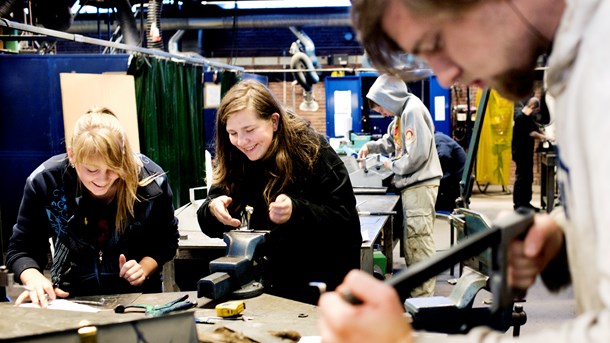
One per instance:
(525,131)
(297,186)
(108,211)
(453,158)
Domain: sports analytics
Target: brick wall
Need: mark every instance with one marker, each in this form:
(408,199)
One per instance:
(284,91)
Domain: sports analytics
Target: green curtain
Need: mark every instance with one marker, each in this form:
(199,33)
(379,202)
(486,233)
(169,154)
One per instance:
(170,120)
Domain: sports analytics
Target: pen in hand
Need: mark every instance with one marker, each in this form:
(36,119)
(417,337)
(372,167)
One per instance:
(346,295)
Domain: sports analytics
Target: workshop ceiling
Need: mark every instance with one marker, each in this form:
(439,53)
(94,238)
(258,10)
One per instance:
(212,28)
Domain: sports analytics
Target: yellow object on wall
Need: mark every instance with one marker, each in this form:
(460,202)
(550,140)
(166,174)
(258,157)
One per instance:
(494,153)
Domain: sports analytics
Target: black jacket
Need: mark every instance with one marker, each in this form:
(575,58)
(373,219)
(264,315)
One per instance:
(320,242)
(52,207)
(522,142)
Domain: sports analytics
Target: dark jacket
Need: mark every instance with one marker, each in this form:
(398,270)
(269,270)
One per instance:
(83,262)
(320,242)
(522,142)
(453,159)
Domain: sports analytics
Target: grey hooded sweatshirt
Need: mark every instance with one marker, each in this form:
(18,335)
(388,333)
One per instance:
(417,162)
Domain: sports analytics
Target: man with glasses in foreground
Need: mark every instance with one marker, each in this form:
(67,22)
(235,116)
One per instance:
(496,43)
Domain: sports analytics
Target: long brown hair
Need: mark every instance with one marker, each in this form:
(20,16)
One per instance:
(294,143)
(99,134)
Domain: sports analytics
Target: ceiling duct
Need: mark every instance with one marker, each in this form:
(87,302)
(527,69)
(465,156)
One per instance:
(173,46)
(127,22)
(154,38)
(304,59)
(245,22)
(7,7)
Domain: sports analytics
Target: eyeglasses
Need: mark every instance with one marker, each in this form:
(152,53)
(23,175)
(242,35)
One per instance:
(409,67)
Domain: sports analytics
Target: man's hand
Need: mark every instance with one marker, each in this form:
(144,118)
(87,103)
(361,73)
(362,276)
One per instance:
(39,289)
(387,164)
(364,151)
(529,257)
(380,318)
(281,209)
(218,208)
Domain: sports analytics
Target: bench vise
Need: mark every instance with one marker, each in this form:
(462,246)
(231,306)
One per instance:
(237,273)
(455,314)
(6,281)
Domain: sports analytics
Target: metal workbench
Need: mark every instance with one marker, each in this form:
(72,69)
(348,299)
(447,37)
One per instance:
(267,314)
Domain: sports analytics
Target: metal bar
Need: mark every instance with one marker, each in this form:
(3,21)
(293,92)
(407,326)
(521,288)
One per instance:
(498,237)
(467,181)
(416,274)
(126,47)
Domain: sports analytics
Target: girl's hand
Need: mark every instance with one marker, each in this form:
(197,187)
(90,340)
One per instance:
(131,271)
(39,289)
(218,208)
(281,209)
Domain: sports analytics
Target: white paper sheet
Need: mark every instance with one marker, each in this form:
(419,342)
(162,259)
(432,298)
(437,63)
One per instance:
(63,304)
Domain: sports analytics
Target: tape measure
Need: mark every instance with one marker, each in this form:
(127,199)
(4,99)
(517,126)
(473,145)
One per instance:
(230,308)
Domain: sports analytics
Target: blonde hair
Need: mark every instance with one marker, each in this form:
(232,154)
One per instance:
(99,134)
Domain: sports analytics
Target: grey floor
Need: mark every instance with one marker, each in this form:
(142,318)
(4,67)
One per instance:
(544,309)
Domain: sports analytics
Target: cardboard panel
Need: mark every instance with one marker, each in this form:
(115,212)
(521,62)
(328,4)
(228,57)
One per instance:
(80,92)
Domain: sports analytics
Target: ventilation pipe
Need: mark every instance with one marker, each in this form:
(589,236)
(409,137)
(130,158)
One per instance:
(153,25)
(173,46)
(54,15)
(7,7)
(304,59)
(127,22)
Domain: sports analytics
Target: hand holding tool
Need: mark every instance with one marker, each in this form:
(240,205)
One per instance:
(498,237)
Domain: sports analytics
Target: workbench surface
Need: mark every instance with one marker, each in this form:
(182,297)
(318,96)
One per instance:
(266,314)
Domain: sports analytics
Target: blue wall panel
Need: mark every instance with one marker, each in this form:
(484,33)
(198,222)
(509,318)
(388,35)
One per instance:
(344,83)
(436,90)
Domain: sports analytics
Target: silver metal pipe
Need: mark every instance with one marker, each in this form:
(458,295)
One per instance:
(245,22)
(100,42)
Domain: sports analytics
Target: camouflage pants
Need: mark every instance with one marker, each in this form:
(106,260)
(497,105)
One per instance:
(418,223)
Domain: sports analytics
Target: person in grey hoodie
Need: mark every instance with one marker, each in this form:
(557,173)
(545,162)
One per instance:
(415,163)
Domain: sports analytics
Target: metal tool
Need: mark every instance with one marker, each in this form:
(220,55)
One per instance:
(368,175)
(89,302)
(346,295)
(158,310)
(249,211)
(378,213)
(498,237)
(214,320)
(321,286)
(235,273)
(6,280)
